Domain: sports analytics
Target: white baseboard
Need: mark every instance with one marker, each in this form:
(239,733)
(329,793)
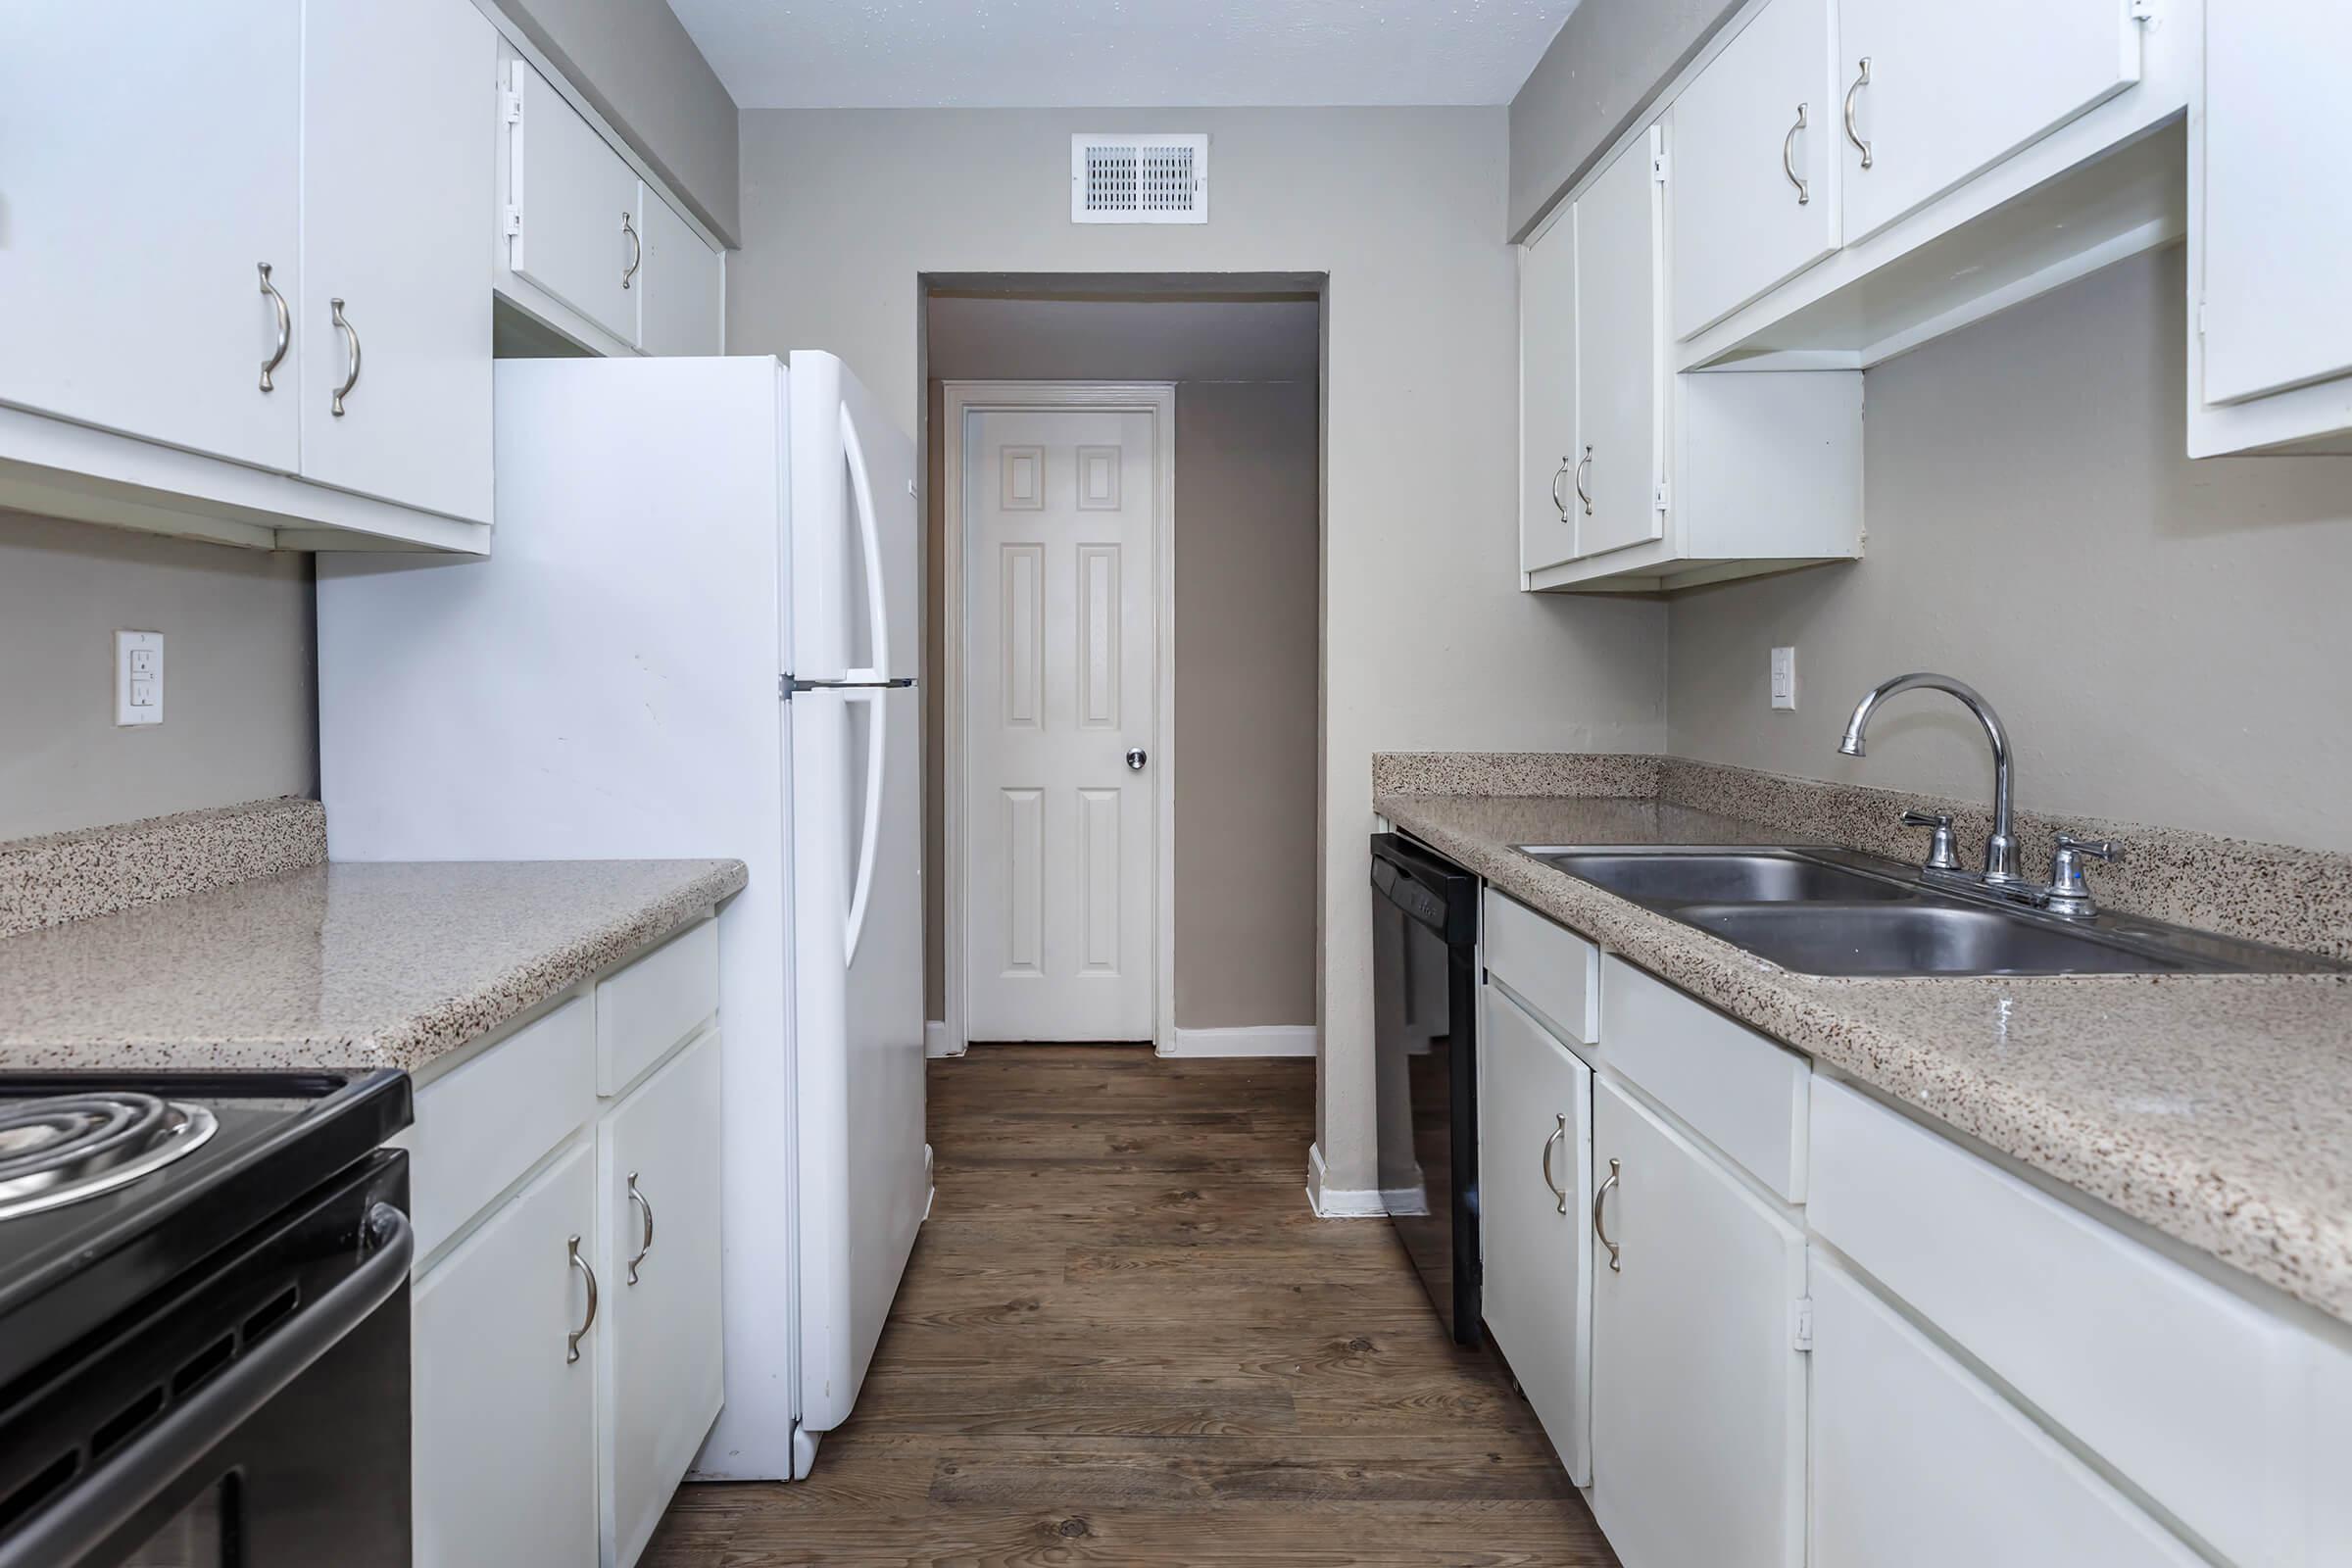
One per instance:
(935,1040)
(1337,1203)
(1262,1039)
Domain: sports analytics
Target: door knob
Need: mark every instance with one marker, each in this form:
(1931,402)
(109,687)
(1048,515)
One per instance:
(1136,757)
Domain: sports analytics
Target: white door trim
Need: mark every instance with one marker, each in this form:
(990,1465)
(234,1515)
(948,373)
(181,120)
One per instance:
(1158,399)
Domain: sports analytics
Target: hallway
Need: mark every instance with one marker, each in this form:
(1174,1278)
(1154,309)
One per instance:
(1124,1339)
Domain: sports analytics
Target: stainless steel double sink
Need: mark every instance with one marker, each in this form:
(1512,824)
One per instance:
(1828,911)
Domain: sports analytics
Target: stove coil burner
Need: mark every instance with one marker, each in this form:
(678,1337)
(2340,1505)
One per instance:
(61,1149)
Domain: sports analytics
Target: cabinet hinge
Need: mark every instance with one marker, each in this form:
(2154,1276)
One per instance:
(1659,496)
(1657,168)
(513,220)
(1800,1323)
(2200,318)
(512,102)
(2140,10)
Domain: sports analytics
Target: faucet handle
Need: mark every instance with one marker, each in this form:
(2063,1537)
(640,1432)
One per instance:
(2097,849)
(1941,855)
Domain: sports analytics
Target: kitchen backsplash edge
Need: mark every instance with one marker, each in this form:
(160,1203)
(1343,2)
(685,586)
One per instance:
(61,878)
(2275,893)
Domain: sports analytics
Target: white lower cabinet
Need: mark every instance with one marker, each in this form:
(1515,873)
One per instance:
(658,1360)
(567,1357)
(1534,1197)
(1916,1461)
(504,1411)
(1699,1388)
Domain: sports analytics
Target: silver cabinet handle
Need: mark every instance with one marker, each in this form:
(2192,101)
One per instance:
(1852,133)
(1615,1266)
(351,337)
(1804,192)
(646,1243)
(571,1342)
(628,227)
(1583,467)
(1557,505)
(1559,1134)
(1137,756)
(285,328)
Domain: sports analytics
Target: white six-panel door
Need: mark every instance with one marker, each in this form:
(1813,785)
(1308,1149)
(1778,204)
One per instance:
(1061,641)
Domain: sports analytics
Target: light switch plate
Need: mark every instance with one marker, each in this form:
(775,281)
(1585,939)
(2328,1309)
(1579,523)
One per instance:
(138,677)
(1784,678)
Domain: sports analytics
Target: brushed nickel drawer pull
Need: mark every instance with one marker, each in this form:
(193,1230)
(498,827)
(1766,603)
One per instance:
(1559,1134)
(285,328)
(646,1243)
(571,1342)
(1616,1266)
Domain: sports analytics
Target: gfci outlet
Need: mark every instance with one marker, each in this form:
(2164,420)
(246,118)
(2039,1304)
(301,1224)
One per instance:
(1784,678)
(138,677)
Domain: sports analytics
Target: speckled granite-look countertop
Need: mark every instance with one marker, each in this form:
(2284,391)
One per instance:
(339,965)
(2216,1110)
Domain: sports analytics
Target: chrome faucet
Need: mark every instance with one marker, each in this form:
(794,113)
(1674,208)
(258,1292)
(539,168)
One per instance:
(2000,849)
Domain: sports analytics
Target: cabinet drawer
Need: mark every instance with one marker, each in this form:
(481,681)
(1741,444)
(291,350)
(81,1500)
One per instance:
(2188,1390)
(1908,1449)
(480,1127)
(1554,971)
(654,1004)
(1739,1090)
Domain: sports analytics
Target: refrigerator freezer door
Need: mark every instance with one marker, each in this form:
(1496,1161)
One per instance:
(864,1178)
(851,591)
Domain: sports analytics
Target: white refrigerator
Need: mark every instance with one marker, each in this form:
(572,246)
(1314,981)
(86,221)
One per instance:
(696,634)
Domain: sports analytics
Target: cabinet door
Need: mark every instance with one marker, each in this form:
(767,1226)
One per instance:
(680,302)
(1547,474)
(1535,1162)
(1699,1392)
(1909,1449)
(1954,90)
(505,1443)
(2278,224)
(1617,352)
(151,172)
(1753,195)
(659,1356)
(578,238)
(398,170)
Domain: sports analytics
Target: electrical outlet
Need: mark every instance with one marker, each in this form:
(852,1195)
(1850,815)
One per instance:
(138,677)
(1784,678)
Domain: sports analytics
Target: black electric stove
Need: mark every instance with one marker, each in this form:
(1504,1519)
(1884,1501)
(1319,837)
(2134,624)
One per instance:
(202,1319)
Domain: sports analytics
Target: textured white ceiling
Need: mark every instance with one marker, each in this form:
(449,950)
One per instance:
(900,54)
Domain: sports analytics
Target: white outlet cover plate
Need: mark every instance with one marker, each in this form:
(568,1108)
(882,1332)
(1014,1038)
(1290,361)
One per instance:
(1784,678)
(138,677)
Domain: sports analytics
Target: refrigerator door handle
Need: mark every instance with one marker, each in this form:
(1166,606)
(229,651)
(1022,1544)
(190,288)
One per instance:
(869,833)
(870,533)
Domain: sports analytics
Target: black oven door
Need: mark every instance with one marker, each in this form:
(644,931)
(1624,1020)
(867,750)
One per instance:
(258,1418)
(1425,1061)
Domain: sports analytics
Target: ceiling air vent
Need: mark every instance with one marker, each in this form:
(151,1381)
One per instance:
(1139,179)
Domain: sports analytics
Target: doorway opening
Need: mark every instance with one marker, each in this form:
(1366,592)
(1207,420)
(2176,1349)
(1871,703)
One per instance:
(1123,631)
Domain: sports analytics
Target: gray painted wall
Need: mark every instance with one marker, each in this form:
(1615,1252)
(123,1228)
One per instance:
(635,62)
(240,698)
(1602,72)
(1405,210)
(2165,639)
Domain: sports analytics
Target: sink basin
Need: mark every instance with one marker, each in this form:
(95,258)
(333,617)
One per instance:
(1915,939)
(1720,876)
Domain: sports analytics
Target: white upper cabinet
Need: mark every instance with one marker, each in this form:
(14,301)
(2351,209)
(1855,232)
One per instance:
(149,226)
(2270,229)
(1753,198)
(1933,93)
(1698,1386)
(680,301)
(395,296)
(1548,458)
(573,221)
(1619,421)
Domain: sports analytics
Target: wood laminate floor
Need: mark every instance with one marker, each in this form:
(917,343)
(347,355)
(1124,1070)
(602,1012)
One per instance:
(1124,1339)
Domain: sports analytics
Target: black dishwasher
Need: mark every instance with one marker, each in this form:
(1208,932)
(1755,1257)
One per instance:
(1425,1060)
